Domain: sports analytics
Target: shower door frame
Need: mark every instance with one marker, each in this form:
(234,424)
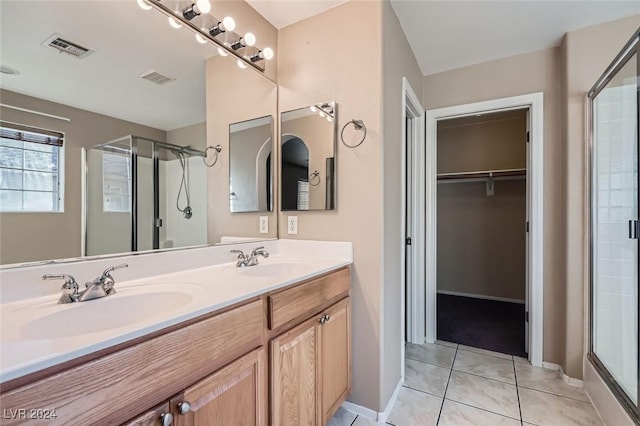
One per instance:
(631,48)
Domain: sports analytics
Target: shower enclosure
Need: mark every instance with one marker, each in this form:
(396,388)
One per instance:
(143,194)
(615,229)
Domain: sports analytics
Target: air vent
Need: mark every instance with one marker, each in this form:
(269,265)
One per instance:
(63,44)
(155,77)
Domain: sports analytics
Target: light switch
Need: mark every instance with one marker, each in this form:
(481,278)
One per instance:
(264,224)
(292,225)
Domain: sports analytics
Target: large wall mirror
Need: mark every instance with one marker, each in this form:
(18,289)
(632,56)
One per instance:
(144,101)
(250,165)
(307,158)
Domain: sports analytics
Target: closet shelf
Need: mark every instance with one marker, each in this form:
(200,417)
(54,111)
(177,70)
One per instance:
(483,174)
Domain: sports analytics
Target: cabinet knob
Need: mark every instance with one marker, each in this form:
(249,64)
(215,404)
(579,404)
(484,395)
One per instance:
(184,407)
(166,419)
(327,317)
(323,319)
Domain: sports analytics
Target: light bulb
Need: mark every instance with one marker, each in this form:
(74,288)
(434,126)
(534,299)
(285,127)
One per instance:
(143,5)
(201,39)
(267,53)
(222,52)
(329,118)
(241,64)
(204,6)
(228,23)
(249,39)
(322,114)
(174,23)
(313,109)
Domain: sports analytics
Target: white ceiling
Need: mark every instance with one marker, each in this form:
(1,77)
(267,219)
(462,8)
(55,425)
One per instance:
(281,13)
(445,35)
(128,41)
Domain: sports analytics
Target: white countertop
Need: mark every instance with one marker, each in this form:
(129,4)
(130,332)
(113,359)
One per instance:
(37,332)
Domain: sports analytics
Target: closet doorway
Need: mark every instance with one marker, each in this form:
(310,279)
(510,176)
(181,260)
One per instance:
(481,230)
(484,225)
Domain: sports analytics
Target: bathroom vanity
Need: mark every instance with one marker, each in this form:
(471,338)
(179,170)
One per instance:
(267,344)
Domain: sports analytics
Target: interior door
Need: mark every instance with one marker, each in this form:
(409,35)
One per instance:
(527,225)
(408,263)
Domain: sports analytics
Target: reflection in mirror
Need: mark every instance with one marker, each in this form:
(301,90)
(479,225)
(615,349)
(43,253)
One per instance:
(307,161)
(141,196)
(250,165)
(137,77)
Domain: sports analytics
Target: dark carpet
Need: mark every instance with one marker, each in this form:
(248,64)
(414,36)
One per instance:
(486,324)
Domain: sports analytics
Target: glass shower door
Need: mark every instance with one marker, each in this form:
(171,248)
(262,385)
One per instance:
(615,229)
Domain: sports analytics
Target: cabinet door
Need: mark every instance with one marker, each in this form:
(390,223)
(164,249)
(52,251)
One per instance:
(158,416)
(232,396)
(335,358)
(294,399)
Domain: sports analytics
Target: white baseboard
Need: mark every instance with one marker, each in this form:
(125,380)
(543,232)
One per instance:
(481,296)
(379,416)
(568,380)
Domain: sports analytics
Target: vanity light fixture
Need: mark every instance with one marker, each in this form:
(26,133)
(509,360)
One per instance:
(194,14)
(241,64)
(143,5)
(174,23)
(227,24)
(196,9)
(267,54)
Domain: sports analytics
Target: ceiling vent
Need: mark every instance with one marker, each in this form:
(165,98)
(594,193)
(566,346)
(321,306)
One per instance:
(155,77)
(63,44)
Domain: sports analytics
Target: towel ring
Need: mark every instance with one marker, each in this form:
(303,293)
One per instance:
(216,150)
(312,176)
(358,125)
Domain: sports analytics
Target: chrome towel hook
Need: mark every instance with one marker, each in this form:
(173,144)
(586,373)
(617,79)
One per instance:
(358,125)
(216,150)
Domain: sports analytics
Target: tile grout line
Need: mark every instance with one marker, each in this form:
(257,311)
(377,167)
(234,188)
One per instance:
(554,394)
(482,409)
(515,376)
(485,377)
(422,391)
(447,386)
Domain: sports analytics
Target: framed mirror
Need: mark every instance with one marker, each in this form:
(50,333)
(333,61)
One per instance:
(307,158)
(250,165)
(64,74)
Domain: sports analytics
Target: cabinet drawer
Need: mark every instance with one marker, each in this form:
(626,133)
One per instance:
(296,302)
(115,388)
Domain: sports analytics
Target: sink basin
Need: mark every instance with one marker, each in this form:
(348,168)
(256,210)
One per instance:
(271,269)
(103,314)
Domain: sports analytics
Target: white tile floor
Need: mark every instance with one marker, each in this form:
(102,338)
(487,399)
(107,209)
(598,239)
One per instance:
(456,385)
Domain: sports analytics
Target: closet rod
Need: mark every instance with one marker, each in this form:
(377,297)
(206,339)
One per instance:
(482,174)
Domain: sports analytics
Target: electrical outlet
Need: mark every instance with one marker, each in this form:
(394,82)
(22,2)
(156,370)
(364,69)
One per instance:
(264,224)
(292,225)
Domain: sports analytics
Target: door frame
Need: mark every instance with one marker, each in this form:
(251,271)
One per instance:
(533,101)
(412,108)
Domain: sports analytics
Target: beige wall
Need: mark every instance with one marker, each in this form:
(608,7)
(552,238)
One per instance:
(316,63)
(481,239)
(233,95)
(38,236)
(484,233)
(528,73)
(586,53)
(397,62)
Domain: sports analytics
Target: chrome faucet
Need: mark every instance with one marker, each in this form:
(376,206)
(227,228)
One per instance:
(252,259)
(100,287)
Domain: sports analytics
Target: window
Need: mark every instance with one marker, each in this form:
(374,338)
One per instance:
(116,182)
(31,172)
(303,195)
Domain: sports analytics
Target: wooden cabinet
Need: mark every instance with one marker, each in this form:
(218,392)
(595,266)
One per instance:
(334,359)
(311,362)
(294,381)
(157,416)
(235,395)
(217,364)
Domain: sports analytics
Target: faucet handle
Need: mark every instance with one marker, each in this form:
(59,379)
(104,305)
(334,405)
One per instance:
(241,254)
(107,280)
(69,288)
(260,251)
